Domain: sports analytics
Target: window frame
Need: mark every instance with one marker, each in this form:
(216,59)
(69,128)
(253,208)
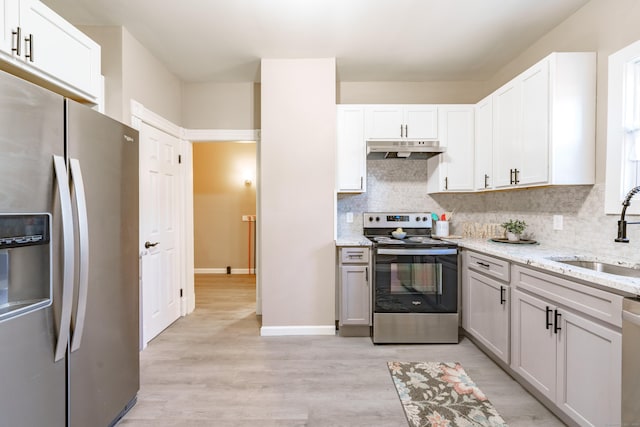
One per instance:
(617,134)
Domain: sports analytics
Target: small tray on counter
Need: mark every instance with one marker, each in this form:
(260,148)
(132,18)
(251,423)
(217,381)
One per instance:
(514,242)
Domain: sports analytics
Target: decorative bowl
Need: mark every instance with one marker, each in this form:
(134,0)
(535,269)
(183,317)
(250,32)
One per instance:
(399,234)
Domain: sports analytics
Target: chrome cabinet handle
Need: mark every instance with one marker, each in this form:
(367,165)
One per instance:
(17,36)
(83,253)
(62,182)
(29,52)
(502,293)
(148,244)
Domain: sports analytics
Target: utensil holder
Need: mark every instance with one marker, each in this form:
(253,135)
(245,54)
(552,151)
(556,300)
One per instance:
(442,228)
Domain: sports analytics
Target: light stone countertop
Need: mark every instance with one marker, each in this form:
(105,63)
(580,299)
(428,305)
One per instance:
(353,240)
(545,257)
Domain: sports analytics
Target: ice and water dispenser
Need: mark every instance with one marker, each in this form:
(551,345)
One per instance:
(25,263)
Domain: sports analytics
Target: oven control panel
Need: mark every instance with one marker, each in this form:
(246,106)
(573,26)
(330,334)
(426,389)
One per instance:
(395,220)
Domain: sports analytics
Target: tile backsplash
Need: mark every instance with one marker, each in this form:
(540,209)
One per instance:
(400,185)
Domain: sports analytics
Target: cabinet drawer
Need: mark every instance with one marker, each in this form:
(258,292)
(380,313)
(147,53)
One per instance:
(354,255)
(593,302)
(494,267)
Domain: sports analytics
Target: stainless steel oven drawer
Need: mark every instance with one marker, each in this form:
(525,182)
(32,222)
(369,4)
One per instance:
(415,328)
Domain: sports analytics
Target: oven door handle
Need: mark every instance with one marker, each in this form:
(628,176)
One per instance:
(417,251)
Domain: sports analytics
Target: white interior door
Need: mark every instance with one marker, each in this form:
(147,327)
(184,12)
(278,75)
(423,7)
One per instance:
(159,217)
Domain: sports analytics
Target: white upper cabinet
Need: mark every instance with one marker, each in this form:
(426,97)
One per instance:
(44,47)
(544,124)
(9,15)
(453,169)
(483,152)
(351,149)
(401,121)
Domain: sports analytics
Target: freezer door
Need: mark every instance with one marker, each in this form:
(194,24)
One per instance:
(104,361)
(32,385)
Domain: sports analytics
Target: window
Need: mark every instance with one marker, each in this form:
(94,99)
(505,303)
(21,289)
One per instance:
(623,128)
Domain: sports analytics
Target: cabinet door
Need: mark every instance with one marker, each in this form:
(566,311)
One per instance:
(457,130)
(58,49)
(533,343)
(351,149)
(9,22)
(506,126)
(421,121)
(484,144)
(354,298)
(589,371)
(489,313)
(534,135)
(384,121)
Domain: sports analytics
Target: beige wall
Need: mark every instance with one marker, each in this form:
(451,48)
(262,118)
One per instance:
(221,105)
(110,40)
(220,199)
(296,202)
(132,72)
(466,92)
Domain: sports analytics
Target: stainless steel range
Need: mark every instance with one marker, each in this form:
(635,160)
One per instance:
(416,285)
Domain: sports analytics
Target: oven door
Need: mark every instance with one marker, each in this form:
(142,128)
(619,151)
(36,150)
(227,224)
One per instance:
(416,280)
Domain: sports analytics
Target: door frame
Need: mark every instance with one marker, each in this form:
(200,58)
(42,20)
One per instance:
(228,135)
(140,114)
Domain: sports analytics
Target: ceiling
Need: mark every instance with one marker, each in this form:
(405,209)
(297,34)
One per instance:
(372,40)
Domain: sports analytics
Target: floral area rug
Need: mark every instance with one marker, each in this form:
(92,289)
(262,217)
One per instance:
(435,394)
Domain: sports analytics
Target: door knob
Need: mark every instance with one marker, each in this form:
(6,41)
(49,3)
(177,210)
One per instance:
(148,244)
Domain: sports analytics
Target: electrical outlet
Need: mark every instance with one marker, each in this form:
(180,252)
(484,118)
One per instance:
(349,217)
(557,222)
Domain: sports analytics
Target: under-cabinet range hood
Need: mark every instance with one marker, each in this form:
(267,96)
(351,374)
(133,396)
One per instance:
(414,149)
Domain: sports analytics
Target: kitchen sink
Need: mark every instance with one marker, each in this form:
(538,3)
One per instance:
(604,267)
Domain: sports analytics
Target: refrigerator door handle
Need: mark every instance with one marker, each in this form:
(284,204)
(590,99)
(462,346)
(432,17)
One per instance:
(62,182)
(83,250)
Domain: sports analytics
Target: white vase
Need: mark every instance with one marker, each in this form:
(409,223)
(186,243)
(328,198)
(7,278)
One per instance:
(513,237)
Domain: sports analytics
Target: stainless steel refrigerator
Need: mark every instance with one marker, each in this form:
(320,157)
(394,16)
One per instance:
(69,287)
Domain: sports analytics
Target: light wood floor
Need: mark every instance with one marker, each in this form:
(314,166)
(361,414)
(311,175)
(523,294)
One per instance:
(212,368)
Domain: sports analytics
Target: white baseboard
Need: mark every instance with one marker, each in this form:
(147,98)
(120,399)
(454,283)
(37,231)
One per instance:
(275,331)
(223,271)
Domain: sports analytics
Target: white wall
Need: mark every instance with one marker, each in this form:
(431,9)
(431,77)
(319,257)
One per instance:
(296,196)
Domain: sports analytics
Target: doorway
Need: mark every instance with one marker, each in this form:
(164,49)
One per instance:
(224,204)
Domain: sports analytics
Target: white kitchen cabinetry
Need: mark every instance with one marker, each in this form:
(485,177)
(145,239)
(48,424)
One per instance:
(566,342)
(483,165)
(544,124)
(351,149)
(41,46)
(9,15)
(355,292)
(401,121)
(486,302)
(453,169)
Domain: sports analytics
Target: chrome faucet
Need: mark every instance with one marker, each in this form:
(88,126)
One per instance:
(622,224)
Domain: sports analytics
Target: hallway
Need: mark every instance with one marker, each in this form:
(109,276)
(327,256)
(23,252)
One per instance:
(213,369)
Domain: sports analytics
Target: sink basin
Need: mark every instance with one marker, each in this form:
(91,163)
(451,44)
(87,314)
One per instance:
(603,267)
